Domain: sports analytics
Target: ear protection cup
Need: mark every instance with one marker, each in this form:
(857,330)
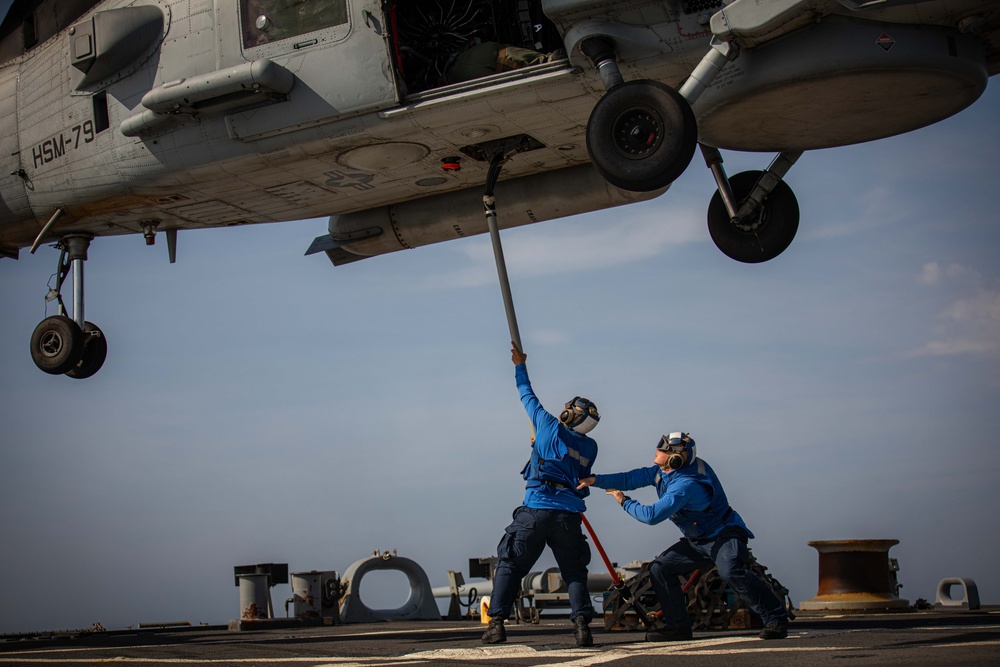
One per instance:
(676,446)
(569,414)
(577,411)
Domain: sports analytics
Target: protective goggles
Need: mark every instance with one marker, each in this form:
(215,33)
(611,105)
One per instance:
(672,443)
(583,407)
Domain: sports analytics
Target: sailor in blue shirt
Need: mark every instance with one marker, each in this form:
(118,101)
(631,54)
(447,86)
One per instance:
(691,495)
(561,455)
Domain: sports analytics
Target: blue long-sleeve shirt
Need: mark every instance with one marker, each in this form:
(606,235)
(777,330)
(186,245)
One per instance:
(574,453)
(678,492)
(685,493)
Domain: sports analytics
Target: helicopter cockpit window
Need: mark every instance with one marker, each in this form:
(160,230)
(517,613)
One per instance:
(266,21)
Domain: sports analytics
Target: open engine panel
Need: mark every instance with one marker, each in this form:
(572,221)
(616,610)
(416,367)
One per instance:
(427,34)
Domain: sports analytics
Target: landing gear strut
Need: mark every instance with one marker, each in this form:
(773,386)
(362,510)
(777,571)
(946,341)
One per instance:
(64,345)
(754,215)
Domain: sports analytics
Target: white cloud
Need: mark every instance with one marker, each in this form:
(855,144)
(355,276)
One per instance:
(933,274)
(970,325)
(955,347)
(618,236)
(981,308)
(930,274)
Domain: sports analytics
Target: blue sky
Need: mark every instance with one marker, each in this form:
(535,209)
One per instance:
(262,406)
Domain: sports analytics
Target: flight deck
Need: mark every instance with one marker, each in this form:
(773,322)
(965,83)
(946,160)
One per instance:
(902,638)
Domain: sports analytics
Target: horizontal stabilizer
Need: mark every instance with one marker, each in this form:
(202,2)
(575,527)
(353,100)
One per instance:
(332,248)
(322,244)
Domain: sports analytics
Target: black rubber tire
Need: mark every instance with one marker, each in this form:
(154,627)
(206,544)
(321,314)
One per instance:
(95,351)
(641,135)
(56,344)
(775,228)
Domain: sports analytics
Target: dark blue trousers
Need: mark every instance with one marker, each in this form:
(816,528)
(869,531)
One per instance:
(522,544)
(729,552)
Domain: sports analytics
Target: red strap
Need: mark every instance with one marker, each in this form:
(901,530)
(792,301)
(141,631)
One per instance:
(600,550)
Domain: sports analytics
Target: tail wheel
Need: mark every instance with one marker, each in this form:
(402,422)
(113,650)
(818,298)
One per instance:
(95,351)
(766,233)
(641,135)
(56,344)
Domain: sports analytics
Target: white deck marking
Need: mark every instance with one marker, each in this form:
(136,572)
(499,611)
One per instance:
(568,657)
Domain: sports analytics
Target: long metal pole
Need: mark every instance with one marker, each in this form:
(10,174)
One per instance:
(508,301)
(489,203)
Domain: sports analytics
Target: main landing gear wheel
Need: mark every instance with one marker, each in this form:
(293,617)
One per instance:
(766,233)
(95,351)
(641,135)
(57,344)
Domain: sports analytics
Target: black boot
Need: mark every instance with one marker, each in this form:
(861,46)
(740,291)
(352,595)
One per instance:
(776,630)
(495,632)
(582,632)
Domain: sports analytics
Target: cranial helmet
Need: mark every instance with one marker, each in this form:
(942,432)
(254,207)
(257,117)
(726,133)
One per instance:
(580,415)
(680,447)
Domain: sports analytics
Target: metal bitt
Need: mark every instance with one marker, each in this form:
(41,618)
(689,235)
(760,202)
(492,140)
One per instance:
(255,582)
(853,575)
(316,596)
(255,598)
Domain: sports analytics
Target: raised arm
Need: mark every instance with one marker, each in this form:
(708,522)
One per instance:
(546,426)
